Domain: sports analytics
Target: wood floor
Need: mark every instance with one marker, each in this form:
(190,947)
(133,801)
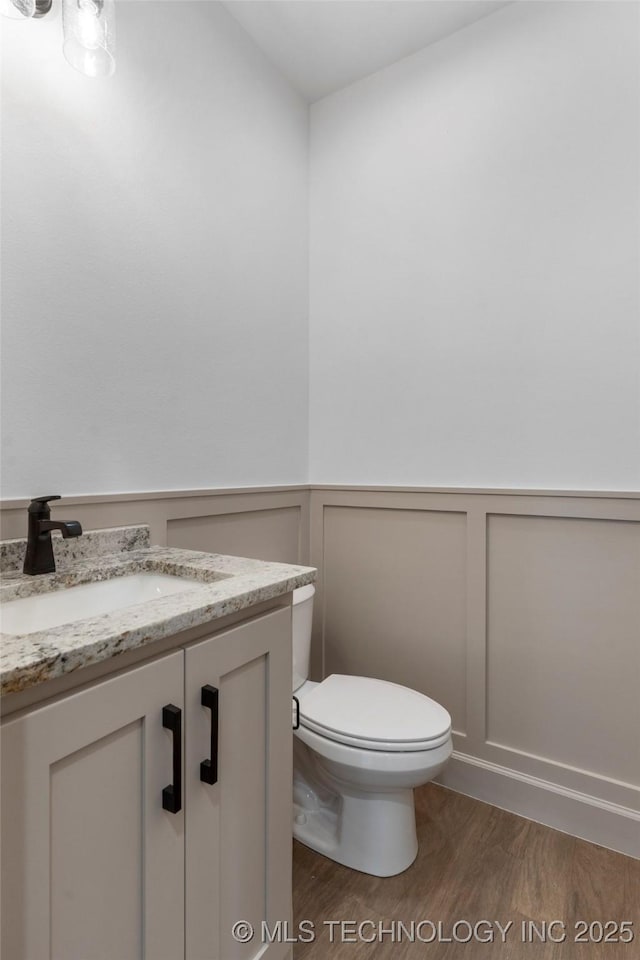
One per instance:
(475,863)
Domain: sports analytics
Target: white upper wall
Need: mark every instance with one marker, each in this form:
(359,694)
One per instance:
(155,260)
(474,259)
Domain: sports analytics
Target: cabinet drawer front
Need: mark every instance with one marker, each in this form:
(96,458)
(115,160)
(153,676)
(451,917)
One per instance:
(92,865)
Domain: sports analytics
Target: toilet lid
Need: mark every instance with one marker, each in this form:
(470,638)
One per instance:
(374,714)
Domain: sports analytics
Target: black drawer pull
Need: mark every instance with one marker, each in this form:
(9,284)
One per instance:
(172,795)
(209,768)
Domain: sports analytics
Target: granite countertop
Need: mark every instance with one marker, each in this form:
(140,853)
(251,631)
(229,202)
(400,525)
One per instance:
(226,585)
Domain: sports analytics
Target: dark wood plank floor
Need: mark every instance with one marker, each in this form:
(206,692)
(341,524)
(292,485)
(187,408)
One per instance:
(475,863)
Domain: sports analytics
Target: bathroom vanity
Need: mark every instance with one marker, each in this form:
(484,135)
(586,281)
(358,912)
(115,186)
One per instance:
(146,761)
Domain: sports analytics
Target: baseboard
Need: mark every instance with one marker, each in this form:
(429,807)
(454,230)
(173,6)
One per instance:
(569,811)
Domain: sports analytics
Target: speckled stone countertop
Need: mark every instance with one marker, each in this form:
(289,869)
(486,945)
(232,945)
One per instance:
(228,585)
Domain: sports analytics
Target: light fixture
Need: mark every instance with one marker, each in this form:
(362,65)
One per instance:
(88,27)
(89,36)
(25,9)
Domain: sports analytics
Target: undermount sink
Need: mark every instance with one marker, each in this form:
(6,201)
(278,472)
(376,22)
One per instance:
(45,610)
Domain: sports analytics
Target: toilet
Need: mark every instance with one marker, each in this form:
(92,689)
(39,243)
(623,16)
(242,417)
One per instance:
(361,747)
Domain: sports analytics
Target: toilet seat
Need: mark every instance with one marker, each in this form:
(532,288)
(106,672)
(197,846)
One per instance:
(374,715)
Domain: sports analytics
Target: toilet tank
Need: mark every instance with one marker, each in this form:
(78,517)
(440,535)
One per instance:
(302,612)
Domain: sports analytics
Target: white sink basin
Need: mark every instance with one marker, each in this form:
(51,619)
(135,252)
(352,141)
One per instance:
(46,610)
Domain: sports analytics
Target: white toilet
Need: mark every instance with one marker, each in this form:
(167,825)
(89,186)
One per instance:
(361,747)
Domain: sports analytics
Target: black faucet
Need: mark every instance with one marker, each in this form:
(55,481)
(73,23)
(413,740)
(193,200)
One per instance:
(39,556)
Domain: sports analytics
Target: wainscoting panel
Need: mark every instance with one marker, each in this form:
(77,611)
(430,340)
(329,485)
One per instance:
(520,612)
(266,534)
(563,621)
(270,523)
(383,568)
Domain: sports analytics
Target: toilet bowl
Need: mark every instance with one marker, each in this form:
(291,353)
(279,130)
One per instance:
(361,747)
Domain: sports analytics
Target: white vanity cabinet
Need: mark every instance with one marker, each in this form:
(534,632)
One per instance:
(93,866)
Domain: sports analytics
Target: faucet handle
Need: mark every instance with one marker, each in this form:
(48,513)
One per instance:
(38,504)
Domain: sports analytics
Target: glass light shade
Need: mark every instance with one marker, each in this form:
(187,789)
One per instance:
(89,36)
(18,9)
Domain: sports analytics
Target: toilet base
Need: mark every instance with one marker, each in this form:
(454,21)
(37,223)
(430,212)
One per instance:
(371,832)
(356,805)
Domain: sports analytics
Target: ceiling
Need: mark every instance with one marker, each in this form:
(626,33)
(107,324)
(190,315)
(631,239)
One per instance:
(323,45)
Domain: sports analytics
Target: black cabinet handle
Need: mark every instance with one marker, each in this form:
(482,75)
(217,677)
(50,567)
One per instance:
(209,768)
(296,722)
(172,795)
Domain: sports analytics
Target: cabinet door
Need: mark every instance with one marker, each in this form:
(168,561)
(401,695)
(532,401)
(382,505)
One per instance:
(238,841)
(92,865)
